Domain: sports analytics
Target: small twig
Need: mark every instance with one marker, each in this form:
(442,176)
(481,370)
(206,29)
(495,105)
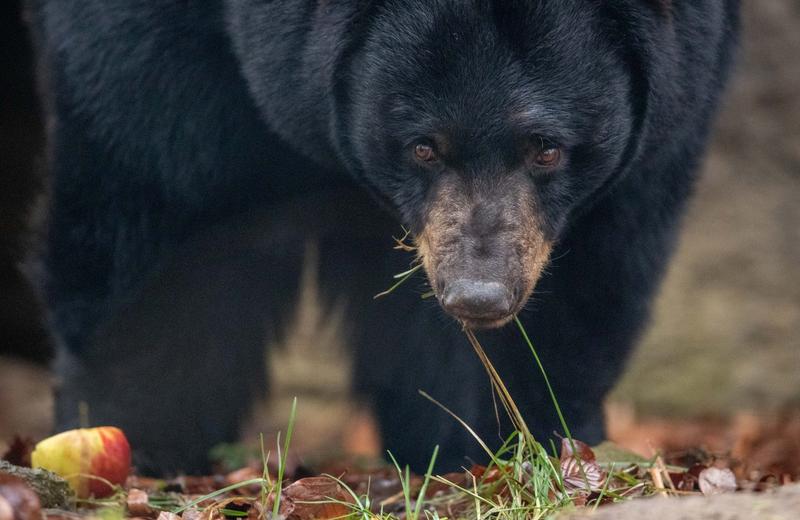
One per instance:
(400,243)
(659,463)
(658,482)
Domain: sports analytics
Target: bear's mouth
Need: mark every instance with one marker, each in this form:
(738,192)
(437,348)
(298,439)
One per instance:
(484,323)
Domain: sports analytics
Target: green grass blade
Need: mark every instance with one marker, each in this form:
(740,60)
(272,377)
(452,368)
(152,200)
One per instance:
(283,456)
(421,496)
(403,277)
(554,399)
(546,379)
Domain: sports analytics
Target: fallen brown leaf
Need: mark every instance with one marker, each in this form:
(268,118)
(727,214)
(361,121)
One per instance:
(138,503)
(17,500)
(317,498)
(242,475)
(191,514)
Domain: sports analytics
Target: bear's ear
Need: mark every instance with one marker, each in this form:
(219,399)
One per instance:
(638,35)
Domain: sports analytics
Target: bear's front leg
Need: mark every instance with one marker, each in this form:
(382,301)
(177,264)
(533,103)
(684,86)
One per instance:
(178,367)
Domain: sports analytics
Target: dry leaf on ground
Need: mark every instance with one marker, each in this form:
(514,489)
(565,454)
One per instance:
(17,500)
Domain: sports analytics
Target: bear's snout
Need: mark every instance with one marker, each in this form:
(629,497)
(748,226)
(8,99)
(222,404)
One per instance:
(483,248)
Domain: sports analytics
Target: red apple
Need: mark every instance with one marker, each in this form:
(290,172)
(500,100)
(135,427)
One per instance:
(79,455)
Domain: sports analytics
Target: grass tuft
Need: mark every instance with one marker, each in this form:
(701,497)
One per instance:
(282,458)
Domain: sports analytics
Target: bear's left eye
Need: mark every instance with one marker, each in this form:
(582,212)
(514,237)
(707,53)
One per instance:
(545,153)
(425,151)
(548,157)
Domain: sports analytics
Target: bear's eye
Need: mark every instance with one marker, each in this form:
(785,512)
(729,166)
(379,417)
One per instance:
(425,151)
(548,155)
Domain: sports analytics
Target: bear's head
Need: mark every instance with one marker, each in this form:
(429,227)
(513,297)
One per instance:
(488,127)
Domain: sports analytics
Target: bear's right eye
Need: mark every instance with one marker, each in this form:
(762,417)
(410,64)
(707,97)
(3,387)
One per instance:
(425,151)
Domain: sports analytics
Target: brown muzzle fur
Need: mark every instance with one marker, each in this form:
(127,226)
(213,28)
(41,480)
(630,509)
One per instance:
(482,246)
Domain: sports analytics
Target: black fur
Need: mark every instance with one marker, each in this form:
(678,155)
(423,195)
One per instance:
(22,333)
(172,123)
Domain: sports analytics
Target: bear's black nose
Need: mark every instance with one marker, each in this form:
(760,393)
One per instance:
(476,300)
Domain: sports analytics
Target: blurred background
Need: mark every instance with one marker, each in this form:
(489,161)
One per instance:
(719,366)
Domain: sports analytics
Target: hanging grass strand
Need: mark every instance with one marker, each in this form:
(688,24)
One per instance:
(544,375)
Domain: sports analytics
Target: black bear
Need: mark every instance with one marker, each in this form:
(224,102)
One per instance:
(540,153)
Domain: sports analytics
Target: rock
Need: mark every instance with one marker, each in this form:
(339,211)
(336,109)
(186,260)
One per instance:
(53,491)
